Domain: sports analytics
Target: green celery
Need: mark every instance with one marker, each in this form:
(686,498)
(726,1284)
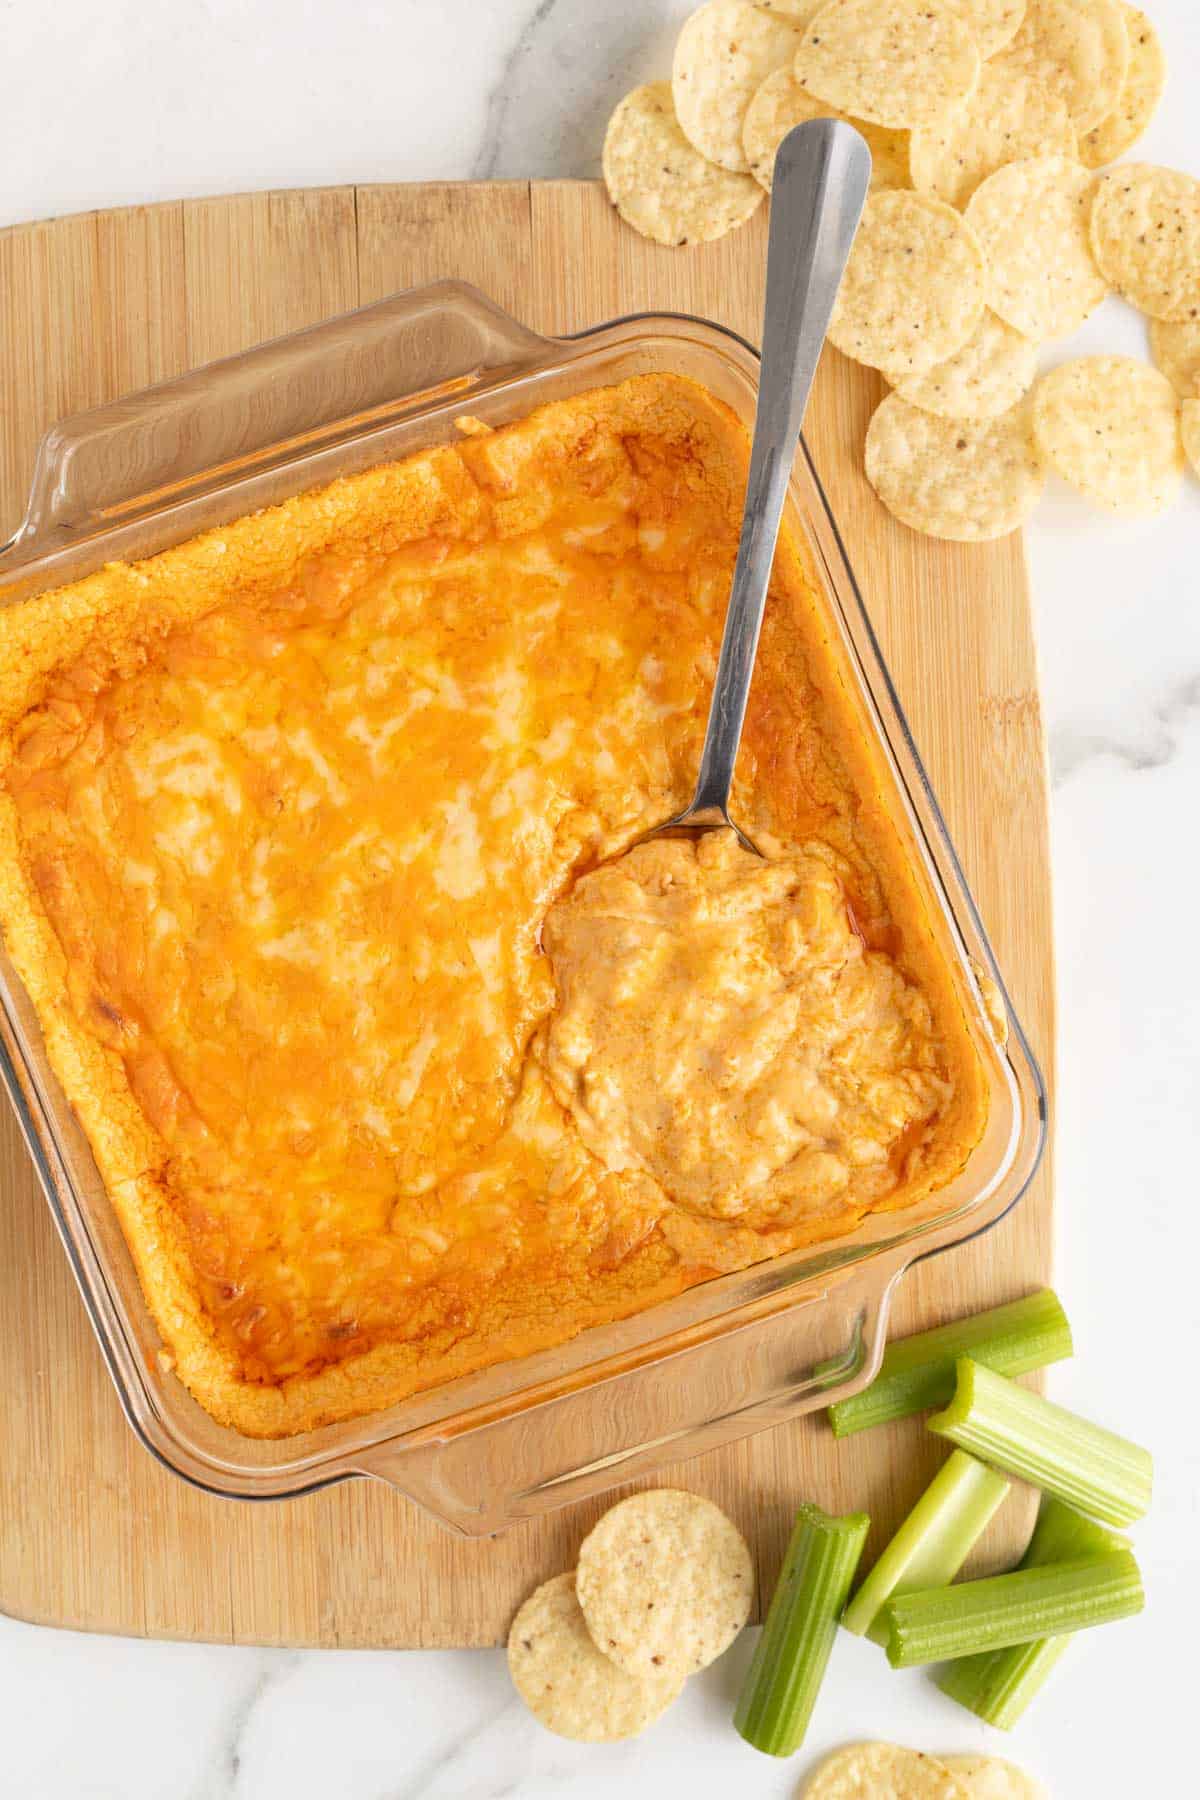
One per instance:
(918,1372)
(1060,1534)
(942,1623)
(789,1664)
(1053,1449)
(932,1544)
(997,1685)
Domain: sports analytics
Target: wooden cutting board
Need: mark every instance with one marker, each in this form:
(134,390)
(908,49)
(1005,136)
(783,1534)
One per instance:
(93,1533)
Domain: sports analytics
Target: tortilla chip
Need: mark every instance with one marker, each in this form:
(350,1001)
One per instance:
(1175,347)
(724,54)
(914,286)
(1110,426)
(1080,49)
(781,103)
(995,23)
(666,1583)
(1011,115)
(962,479)
(1032,220)
(662,186)
(1146,238)
(882,1772)
(993,370)
(1138,100)
(895,65)
(566,1683)
(991,1778)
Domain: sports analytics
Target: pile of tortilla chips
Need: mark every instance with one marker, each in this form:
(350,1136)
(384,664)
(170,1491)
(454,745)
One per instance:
(988,232)
(663,1585)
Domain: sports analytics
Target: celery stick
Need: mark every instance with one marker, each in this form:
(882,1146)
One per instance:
(941,1623)
(1053,1449)
(1060,1534)
(932,1544)
(999,1684)
(918,1372)
(781,1688)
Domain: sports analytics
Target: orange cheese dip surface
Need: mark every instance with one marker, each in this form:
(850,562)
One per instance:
(299,834)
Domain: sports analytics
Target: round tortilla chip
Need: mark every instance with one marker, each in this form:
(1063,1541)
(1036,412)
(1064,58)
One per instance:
(566,1683)
(994,23)
(1080,49)
(1175,347)
(994,368)
(992,1778)
(1138,100)
(666,1583)
(963,479)
(1146,238)
(662,186)
(1011,115)
(1032,220)
(1110,426)
(873,1771)
(1189,430)
(913,291)
(895,65)
(724,54)
(781,103)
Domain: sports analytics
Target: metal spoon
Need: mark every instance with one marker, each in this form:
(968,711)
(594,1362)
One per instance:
(822,172)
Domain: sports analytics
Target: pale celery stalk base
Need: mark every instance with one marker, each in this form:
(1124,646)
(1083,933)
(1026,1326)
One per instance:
(932,1544)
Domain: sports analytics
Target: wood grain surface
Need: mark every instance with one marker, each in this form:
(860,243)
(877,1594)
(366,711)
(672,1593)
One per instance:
(93,1533)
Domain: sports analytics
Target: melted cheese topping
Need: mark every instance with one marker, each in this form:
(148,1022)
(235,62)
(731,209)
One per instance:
(296,842)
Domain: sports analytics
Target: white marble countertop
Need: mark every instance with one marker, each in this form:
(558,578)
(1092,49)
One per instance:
(129,102)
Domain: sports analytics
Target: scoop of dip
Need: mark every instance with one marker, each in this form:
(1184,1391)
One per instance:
(723,1030)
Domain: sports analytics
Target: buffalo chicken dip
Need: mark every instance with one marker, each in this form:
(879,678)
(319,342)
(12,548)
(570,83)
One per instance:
(310,860)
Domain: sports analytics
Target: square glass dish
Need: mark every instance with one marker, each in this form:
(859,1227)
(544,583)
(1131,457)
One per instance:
(728,1357)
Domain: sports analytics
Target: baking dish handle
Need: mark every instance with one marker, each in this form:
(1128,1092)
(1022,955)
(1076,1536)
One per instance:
(290,400)
(480,1478)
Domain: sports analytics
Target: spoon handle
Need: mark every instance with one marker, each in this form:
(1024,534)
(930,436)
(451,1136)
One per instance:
(822,172)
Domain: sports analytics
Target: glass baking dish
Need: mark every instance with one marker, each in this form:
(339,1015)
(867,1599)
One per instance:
(740,1352)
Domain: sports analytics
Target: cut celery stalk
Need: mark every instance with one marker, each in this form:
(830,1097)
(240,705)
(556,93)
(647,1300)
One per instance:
(1053,1449)
(918,1372)
(1061,1534)
(942,1623)
(999,1684)
(781,1688)
(932,1544)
